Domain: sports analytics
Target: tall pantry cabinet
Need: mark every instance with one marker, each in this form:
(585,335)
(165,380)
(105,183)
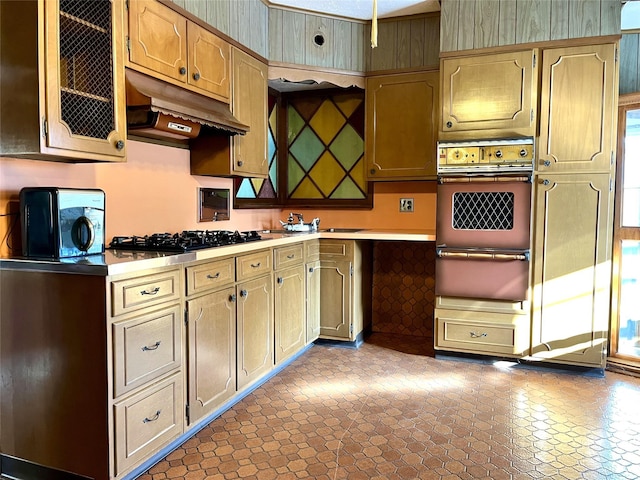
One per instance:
(573,204)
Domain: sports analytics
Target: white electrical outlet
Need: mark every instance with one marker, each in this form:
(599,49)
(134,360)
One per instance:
(406,204)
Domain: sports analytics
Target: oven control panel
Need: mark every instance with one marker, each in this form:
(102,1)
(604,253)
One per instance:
(495,155)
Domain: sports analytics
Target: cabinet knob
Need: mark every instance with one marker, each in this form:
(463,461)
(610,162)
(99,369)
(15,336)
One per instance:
(119,144)
(546,163)
(232,298)
(545,182)
(310,269)
(243,293)
(196,76)
(449,124)
(280,280)
(183,70)
(372,171)
(240,163)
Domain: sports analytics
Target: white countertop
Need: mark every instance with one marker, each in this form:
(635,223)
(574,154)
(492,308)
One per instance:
(116,262)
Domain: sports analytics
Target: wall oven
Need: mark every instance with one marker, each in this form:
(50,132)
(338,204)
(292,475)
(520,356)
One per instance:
(483,219)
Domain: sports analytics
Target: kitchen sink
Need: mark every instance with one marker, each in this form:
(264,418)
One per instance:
(342,230)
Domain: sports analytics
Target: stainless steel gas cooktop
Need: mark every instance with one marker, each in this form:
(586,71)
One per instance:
(183,242)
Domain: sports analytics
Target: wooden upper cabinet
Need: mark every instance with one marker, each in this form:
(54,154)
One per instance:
(401,126)
(164,44)
(489,96)
(62,86)
(250,106)
(209,61)
(578,109)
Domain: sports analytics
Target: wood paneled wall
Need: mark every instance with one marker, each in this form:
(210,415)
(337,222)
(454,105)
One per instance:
(245,21)
(404,43)
(630,63)
(470,24)
(291,40)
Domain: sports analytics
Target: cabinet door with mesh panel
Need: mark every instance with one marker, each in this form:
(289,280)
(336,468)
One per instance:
(85,103)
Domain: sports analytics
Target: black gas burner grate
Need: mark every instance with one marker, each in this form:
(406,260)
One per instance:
(183,242)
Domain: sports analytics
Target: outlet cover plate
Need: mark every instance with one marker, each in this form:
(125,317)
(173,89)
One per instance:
(406,204)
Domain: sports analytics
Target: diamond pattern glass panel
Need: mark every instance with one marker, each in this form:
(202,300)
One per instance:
(86,67)
(483,210)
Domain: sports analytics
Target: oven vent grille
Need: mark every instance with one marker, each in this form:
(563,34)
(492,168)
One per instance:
(483,210)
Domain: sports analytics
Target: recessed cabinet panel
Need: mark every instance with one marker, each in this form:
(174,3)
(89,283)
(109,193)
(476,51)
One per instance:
(401,126)
(578,116)
(249,106)
(336,298)
(489,96)
(209,61)
(212,351)
(572,268)
(158,38)
(289,303)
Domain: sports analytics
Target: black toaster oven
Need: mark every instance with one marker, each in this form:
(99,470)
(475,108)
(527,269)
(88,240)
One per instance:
(62,222)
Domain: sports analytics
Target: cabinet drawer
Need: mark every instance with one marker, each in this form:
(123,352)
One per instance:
(482,333)
(520,307)
(138,292)
(147,421)
(336,250)
(253,265)
(210,275)
(145,347)
(287,256)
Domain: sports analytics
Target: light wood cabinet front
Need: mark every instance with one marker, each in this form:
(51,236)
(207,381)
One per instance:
(578,109)
(146,347)
(161,41)
(289,307)
(335,301)
(402,126)
(254,329)
(489,96)
(158,38)
(209,61)
(572,268)
(211,332)
(313,300)
(63,81)
(147,421)
(249,106)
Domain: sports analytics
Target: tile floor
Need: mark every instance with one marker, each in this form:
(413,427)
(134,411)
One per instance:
(387,411)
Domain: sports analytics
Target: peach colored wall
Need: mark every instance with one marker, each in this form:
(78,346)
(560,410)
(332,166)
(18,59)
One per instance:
(386,209)
(154,192)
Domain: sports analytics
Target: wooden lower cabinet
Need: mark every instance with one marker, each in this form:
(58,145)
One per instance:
(211,331)
(313,300)
(254,330)
(289,301)
(489,327)
(344,272)
(147,421)
(573,222)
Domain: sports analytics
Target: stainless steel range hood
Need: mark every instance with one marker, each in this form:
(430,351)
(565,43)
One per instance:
(160,110)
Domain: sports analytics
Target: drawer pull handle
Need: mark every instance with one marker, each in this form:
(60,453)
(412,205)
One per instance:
(292,256)
(213,277)
(150,292)
(152,347)
(255,265)
(152,419)
(477,335)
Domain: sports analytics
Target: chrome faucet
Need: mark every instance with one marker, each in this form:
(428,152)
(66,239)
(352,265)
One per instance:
(299,215)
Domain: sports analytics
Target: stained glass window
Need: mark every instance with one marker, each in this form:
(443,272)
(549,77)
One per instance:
(321,162)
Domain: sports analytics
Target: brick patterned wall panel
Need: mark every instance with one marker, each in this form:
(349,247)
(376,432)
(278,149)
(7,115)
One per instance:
(404,288)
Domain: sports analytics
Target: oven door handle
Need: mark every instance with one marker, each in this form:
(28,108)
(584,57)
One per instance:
(484,179)
(523,256)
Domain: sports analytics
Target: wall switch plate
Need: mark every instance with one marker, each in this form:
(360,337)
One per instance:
(406,204)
